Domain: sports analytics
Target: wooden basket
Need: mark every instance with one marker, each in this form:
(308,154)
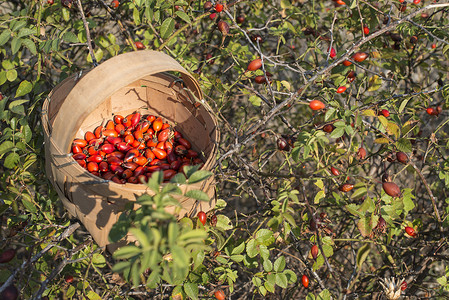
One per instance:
(135,81)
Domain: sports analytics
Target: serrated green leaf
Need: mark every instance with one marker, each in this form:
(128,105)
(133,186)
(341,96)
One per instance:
(183,16)
(265,236)
(270,283)
(30,45)
(239,249)
(70,37)
(353,209)
(404,145)
(337,132)
(197,195)
(11,160)
(24,88)
(4,37)
(199,175)
(6,146)
(279,264)
(25,32)
(179,178)
(191,290)
(281,280)
(237,258)
(167,27)
(15,45)
(267,265)
(291,276)
(251,248)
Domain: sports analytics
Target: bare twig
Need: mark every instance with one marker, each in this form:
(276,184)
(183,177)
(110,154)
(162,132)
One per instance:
(69,231)
(89,40)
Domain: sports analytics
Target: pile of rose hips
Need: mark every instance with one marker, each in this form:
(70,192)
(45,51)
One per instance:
(129,149)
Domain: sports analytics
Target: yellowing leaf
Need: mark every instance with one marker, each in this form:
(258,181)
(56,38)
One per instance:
(374,83)
(393,129)
(381,141)
(369,112)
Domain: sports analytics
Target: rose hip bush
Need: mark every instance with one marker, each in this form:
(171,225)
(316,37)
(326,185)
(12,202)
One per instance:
(333,171)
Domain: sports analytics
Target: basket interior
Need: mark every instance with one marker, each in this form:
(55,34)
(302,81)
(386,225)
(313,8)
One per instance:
(161,95)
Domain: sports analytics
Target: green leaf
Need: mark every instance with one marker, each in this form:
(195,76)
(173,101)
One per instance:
(237,258)
(6,146)
(15,45)
(191,290)
(91,295)
(11,160)
(374,83)
(239,249)
(65,14)
(189,170)
(179,178)
(359,192)
(198,258)
(99,260)
(11,75)
(254,100)
(199,176)
(362,254)
(71,291)
(155,181)
(183,16)
(442,280)
(70,37)
(279,264)
(127,252)
(140,236)
(270,283)
(267,265)
(324,295)
(224,223)
(338,132)
(281,280)
(167,27)
(121,266)
(24,88)
(291,276)
(404,145)
(403,104)
(171,189)
(26,201)
(25,32)
(4,37)
(136,16)
(251,248)
(265,237)
(30,45)
(197,195)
